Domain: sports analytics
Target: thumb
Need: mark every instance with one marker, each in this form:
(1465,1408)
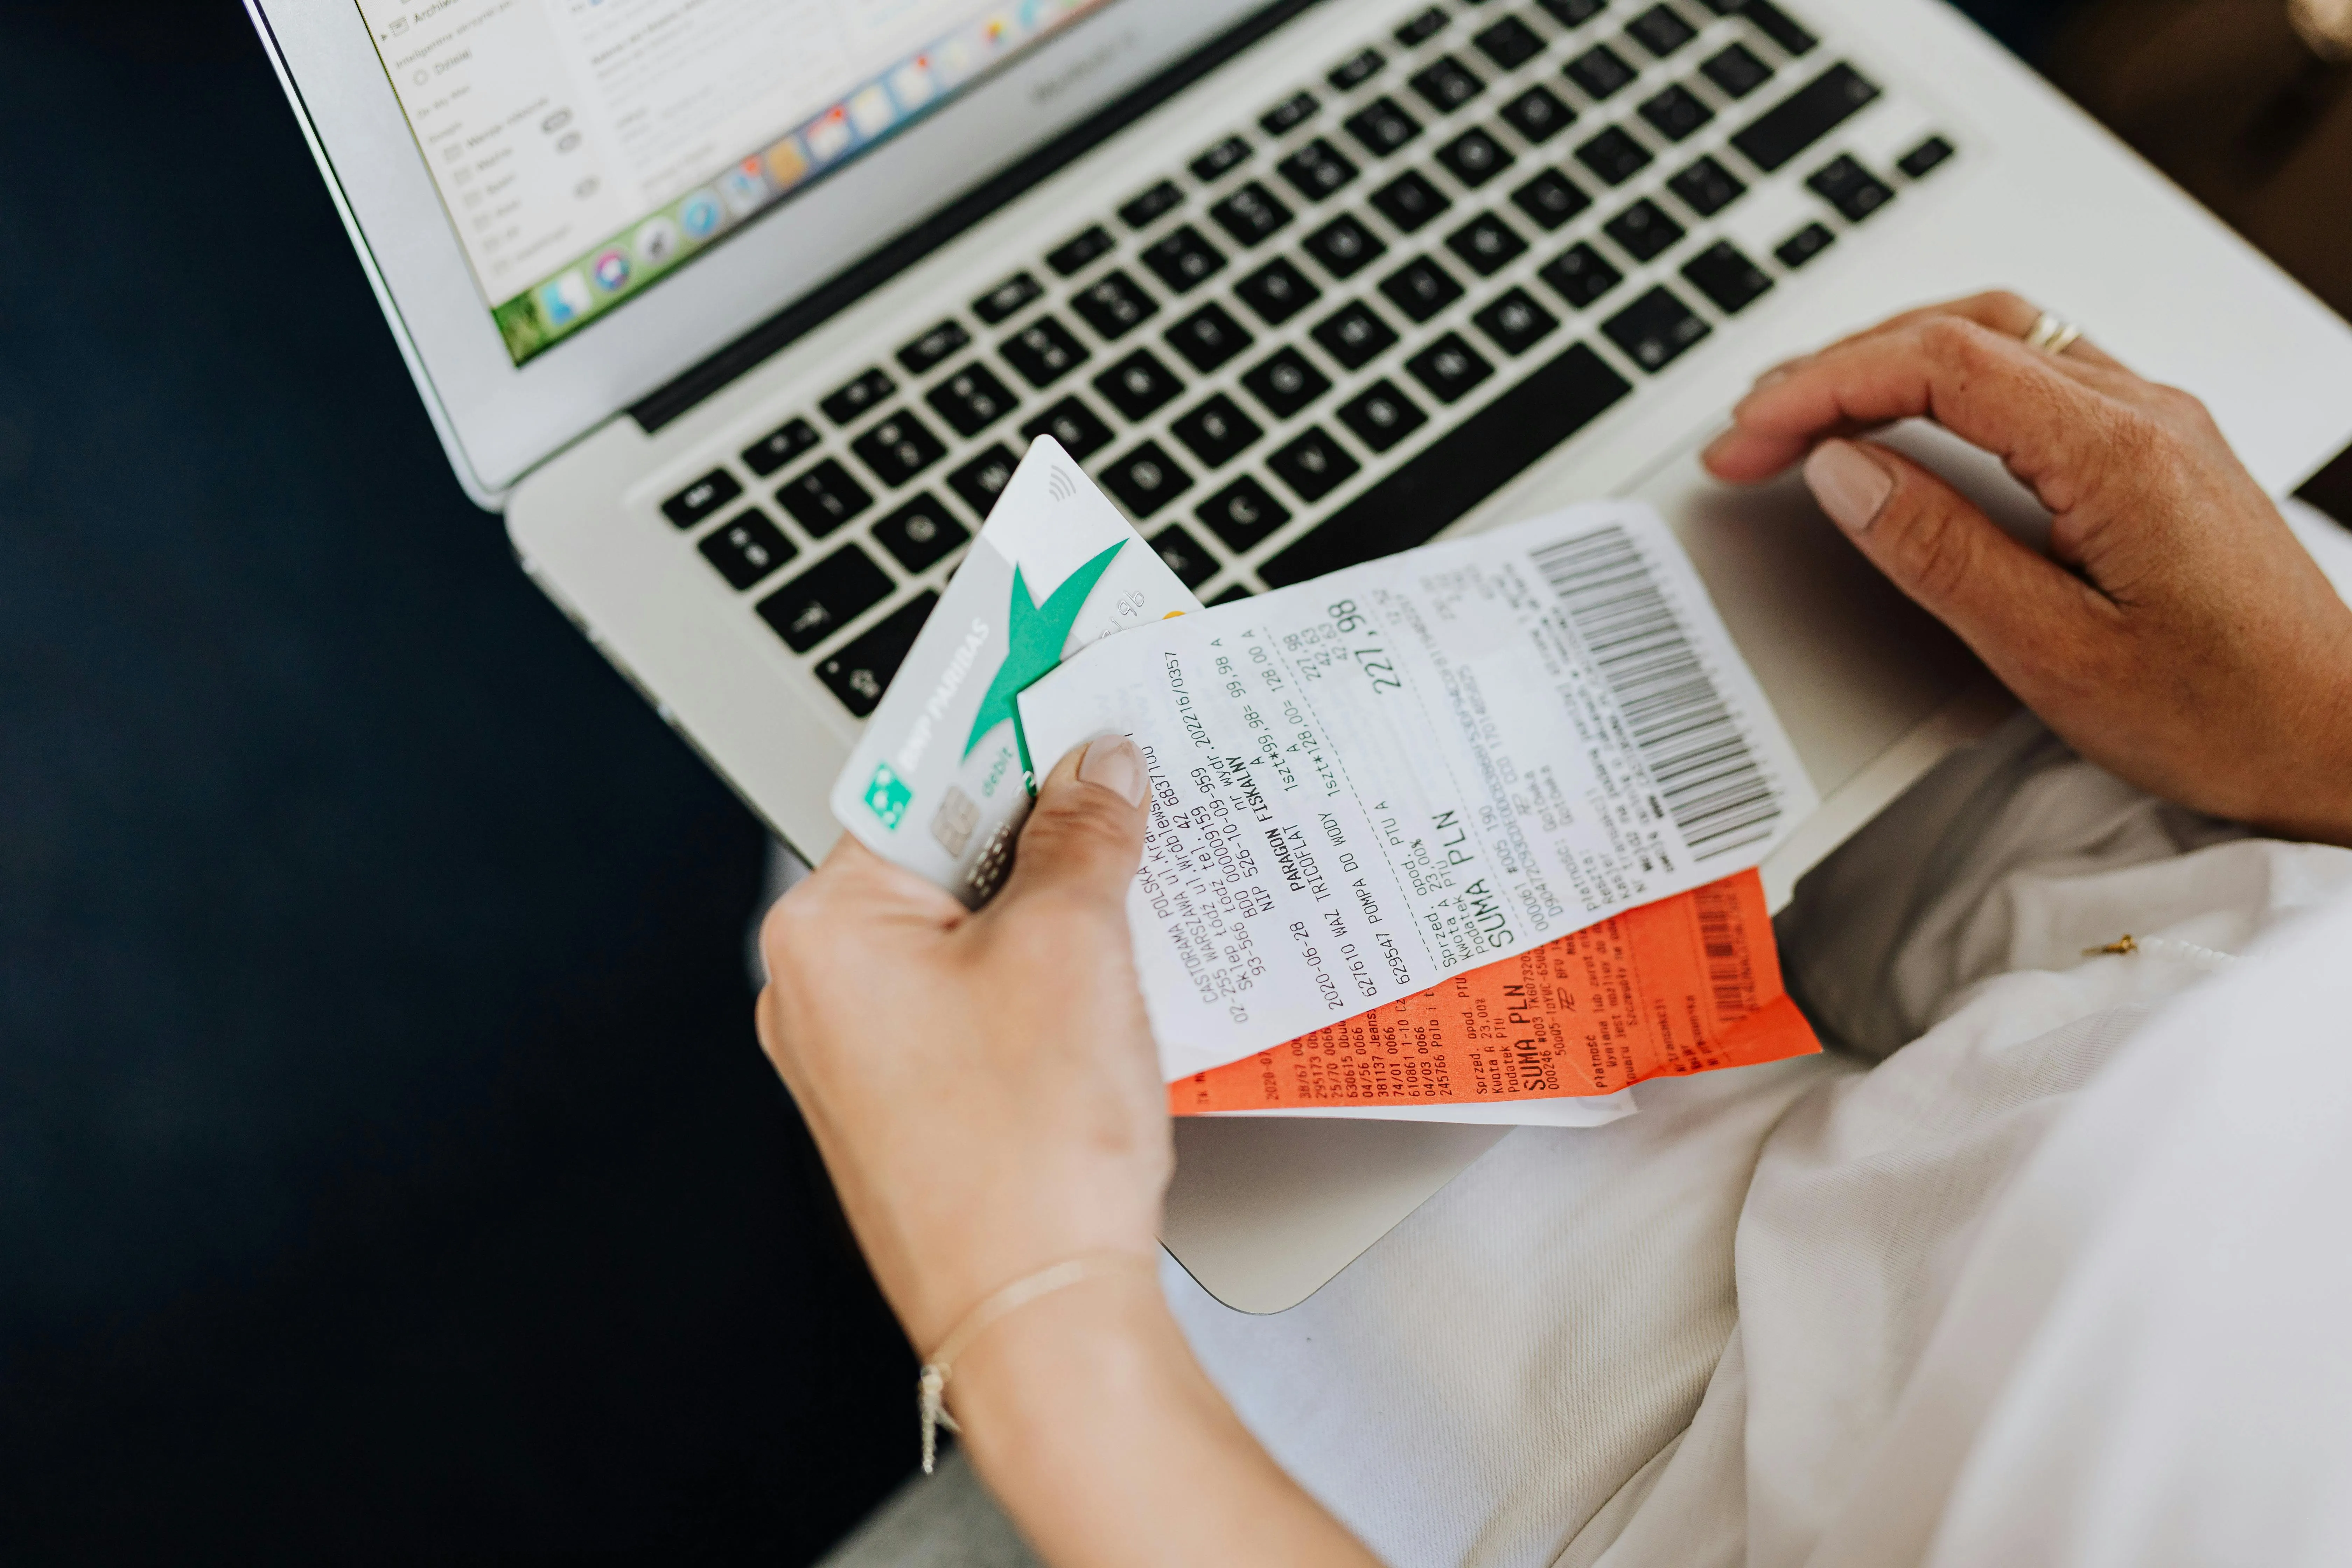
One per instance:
(2004,600)
(1083,837)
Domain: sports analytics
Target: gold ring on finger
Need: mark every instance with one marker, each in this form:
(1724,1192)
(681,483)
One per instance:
(2054,335)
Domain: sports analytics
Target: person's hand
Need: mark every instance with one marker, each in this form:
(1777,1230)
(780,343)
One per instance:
(2176,633)
(982,1087)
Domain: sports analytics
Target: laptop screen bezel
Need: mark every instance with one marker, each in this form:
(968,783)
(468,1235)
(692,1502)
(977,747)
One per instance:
(498,419)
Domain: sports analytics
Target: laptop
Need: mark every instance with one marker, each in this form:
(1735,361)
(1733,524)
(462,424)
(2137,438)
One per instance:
(740,312)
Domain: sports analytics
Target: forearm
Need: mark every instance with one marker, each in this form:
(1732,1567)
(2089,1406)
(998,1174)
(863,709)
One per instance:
(1095,1426)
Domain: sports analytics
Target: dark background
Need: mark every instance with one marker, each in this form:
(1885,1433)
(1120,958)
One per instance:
(387,1168)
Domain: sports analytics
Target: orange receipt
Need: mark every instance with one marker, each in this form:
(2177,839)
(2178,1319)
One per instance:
(1687,985)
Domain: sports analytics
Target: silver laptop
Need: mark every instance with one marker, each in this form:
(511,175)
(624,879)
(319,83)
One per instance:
(740,310)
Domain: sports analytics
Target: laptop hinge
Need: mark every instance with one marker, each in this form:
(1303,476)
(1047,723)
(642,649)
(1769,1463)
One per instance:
(674,398)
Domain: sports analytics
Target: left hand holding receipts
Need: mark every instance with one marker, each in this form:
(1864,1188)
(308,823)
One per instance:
(984,1091)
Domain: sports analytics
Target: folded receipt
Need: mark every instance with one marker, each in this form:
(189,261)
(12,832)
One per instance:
(1366,784)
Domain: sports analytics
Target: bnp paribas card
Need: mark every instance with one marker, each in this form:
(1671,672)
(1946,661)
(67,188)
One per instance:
(942,778)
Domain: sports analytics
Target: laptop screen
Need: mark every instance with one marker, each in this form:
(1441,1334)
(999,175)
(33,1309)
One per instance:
(585,149)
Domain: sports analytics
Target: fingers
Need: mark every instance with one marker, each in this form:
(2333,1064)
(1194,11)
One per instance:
(2012,605)
(1985,386)
(1085,837)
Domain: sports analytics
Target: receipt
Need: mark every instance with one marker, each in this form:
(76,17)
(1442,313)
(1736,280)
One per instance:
(1364,784)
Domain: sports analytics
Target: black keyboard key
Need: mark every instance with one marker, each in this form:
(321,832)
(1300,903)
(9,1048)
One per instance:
(921,533)
(1707,187)
(1676,113)
(1851,188)
(862,670)
(779,446)
(1146,479)
(1221,160)
(1551,199)
(897,448)
(1643,231)
(1409,201)
(1243,514)
(1614,155)
(702,498)
(1804,245)
(1184,260)
(1184,555)
(1354,335)
(1080,253)
(1485,244)
(1137,384)
(1356,71)
(1152,206)
(1344,245)
(1737,70)
(979,482)
(1538,114)
(1655,328)
(1381,416)
(825,598)
(1421,289)
(1383,127)
(822,499)
(1509,42)
(1777,25)
(972,399)
(1600,71)
(1250,214)
(1233,591)
(1459,469)
(1278,291)
(1042,352)
(1317,170)
(1445,84)
(746,549)
(1929,155)
(860,397)
(1423,26)
(1314,466)
(1581,275)
(1573,12)
(1804,117)
(932,350)
(1516,322)
(1449,368)
(1074,425)
(1114,305)
(1725,276)
(1660,30)
(1217,432)
(1474,158)
(1288,115)
(998,303)
(1286,382)
(1208,338)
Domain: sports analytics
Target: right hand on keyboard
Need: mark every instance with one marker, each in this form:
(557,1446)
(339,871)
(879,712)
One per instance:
(2177,632)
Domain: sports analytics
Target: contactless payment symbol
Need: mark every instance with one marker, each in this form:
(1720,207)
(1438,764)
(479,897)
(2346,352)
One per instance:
(612,271)
(888,797)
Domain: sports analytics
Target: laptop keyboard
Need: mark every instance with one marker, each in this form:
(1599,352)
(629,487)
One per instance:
(1326,335)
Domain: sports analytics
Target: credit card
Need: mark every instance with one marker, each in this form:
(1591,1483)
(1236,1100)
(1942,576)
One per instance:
(942,778)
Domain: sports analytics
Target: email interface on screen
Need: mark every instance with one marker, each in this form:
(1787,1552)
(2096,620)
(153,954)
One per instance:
(585,148)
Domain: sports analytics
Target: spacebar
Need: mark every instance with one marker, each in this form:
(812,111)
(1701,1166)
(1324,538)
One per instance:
(1457,471)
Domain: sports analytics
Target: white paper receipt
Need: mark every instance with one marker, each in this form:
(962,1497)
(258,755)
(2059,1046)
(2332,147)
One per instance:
(1367,783)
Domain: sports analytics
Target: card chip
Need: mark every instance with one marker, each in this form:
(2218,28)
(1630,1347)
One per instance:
(953,824)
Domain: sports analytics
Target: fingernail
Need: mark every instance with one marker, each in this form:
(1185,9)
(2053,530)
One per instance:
(1777,374)
(1851,486)
(1112,762)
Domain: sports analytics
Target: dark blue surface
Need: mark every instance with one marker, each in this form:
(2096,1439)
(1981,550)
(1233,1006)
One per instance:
(386,1164)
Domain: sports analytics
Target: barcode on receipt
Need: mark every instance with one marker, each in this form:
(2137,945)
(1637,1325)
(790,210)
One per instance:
(1708,776)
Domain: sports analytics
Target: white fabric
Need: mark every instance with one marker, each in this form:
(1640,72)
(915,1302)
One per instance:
(1619,1347)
